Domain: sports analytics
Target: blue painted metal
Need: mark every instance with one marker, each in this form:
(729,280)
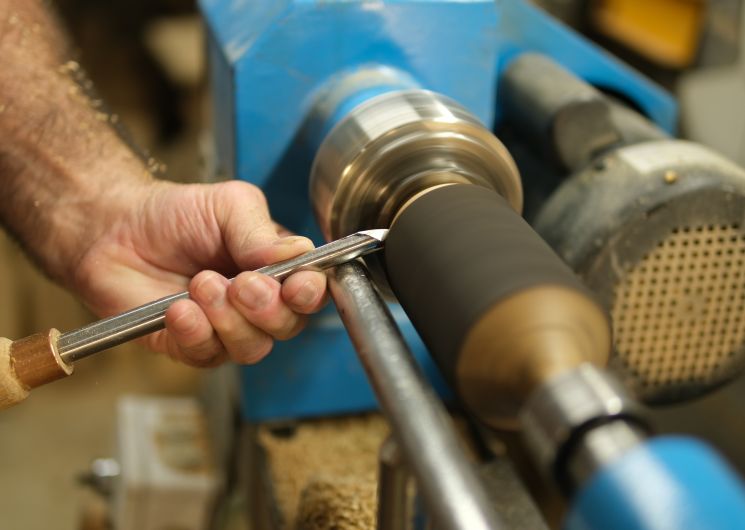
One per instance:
(668,483)
(345,91)
(319,376)
(273,61)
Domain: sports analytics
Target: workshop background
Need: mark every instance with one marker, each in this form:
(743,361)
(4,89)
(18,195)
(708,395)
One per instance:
(146,58)
(147,61)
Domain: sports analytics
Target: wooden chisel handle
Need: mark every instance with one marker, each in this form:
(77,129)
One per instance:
(27,363)
(12,390)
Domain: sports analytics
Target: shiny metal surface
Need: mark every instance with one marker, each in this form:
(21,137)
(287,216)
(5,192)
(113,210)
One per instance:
(567,404)
(396,145)
(112,331)
(454,497)
(393,479)
(599,447)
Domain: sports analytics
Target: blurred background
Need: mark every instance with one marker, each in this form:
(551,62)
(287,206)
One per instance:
(146,59)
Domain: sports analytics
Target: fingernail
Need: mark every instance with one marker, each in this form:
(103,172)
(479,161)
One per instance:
(211,291)
(305,295)
(255,293)
(186,322)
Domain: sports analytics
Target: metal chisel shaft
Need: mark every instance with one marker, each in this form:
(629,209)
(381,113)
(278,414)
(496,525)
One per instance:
(77,344)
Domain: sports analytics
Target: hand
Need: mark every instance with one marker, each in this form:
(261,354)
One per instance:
(85,209)
(165,238)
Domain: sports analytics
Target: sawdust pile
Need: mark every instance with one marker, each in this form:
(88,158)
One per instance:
(338,503)
(325,474)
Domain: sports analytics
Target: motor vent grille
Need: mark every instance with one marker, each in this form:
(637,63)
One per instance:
(679,313)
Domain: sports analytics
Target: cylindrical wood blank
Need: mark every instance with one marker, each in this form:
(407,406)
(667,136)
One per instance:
(499,311)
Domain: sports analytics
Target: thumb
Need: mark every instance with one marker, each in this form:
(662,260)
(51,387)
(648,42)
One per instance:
(249,233)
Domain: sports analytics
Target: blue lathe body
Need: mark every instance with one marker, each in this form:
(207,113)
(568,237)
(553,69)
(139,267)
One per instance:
(285,75)
(275,62)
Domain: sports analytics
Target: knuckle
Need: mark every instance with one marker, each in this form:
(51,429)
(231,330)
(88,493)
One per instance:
(292,332)
(240,192)
(226,328)
(283,328)
(254,350)
(305,293)
(264,347)
(202,351)
(254,296)
(193,356)
(254,193)
(200,279)
(209,362)
(173,350)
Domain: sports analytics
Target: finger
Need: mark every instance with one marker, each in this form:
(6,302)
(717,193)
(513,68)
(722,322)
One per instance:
(249,232)
(245,343)
(257,298)
(305,292)
(191,338)
(280,250)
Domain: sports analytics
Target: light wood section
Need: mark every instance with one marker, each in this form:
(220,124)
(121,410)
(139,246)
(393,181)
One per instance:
(11,389)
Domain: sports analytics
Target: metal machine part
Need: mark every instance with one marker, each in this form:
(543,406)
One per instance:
(600,446)
(569,119)
(656,230)
(570,424)
(324,39)
(396,145)
(454,496)
(393,495)
(511,317)
(102,476)
(653,225)
(389,156)
(267,55)
(509,494)
(585,432)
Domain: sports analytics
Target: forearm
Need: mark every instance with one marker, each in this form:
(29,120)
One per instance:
(64,172)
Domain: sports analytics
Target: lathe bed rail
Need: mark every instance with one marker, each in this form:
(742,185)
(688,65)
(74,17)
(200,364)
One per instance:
(453,495)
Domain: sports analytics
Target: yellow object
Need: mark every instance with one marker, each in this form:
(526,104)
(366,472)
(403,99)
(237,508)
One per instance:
(665,31)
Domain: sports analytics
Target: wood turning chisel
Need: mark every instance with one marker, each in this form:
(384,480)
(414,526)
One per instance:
(45,357)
